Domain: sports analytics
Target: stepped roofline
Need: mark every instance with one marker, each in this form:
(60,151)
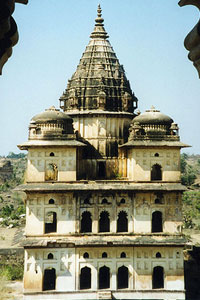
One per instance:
(99,82)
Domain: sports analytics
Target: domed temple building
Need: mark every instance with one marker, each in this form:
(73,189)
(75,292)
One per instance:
(103,205)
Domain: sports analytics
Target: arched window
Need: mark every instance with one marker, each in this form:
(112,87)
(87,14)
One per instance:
(49,279)
(104,201)
(50,222)
(158,278)
(104,222)
(123,255)
(51,201)
(157,221)
(51,154)
(104,255)
(156,172)
(158,201)
(122,222)
(87,201)
(104,278)
(86,222)
(85,278)
(85,255)
(159,198)
(156,154)
(38,131)
(158,255)
(122,278)
(50,256)
(122,201)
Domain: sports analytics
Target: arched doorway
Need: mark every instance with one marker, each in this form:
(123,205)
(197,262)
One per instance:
(49,279)
(104,278)
(158,278)
(122,278)
(157,225)
(85,278)
(122,222)
(104,222)
(51,222)
(86,222)
(156,172)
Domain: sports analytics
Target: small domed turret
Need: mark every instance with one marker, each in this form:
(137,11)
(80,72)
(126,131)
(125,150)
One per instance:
(51,124)
(152,124)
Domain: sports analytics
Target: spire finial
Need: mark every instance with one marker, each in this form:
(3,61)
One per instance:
(99,11)
(99,31)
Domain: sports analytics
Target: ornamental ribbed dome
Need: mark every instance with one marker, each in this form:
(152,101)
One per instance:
(152,124)
(99,81)
(51,115)
(153,116)
(50,125)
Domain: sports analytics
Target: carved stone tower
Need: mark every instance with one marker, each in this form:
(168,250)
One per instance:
(103,238)
(100,101)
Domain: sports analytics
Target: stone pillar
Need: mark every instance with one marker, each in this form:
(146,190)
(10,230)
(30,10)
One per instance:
(94,284)
(95,219)
(113,279)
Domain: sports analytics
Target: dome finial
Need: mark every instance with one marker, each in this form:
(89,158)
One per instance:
(99,30)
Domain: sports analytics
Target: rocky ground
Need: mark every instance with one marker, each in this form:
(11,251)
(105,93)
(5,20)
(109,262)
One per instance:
(11,290)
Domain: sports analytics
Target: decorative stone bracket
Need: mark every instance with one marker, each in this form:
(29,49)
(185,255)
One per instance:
(192,40)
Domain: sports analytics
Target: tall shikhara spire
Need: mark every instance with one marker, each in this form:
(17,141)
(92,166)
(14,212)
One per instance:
(99,81)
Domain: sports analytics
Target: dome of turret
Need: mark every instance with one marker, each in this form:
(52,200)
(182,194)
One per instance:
(152,124)
(51,124)
(51,115)
(153,116)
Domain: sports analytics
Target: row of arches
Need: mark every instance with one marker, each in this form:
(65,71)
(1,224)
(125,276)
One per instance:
(104,275)
(122,222)
(104,222)
(158,200)
(104,255)
(104,278)
(51,173)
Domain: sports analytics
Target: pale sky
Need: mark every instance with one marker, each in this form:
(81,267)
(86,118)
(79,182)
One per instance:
(147,37)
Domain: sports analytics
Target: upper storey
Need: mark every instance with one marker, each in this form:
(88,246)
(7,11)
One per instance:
(99,81)
(52,147)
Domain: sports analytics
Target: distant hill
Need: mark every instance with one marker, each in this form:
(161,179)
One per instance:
(12,209)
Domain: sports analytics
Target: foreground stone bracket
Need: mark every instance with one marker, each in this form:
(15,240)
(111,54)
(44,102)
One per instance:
(192,40)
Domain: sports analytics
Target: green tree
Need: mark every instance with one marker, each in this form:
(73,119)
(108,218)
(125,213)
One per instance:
(14,155)
(188,173)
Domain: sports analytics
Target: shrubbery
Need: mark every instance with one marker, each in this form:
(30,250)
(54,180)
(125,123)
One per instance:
(188,173)
(11,215)
(12,272)
(191,209)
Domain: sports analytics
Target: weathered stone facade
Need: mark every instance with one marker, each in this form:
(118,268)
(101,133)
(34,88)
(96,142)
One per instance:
(103,207)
